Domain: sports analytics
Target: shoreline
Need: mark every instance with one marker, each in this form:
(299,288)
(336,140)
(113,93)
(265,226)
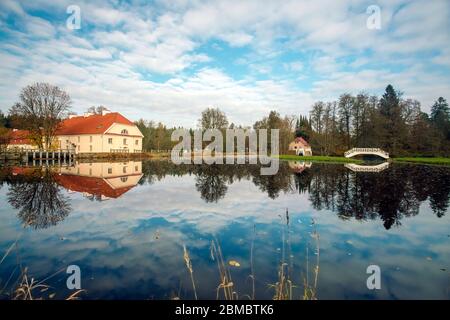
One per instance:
(95,157)
(417,160)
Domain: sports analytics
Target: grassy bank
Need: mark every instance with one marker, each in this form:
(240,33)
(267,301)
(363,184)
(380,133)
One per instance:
(440,161)
(320,159)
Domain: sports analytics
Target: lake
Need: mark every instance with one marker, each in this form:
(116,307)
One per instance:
(155,230)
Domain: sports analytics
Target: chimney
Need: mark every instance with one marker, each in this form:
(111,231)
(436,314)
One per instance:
(105,111)
(72,116)
(87,114)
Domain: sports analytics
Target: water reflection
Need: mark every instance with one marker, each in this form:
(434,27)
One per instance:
(38,198)
(386,193)
(131,246)
(36,192)
(102,180)
(367,168)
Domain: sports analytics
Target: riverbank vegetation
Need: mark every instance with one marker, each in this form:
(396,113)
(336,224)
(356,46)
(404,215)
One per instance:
(396,124)
(319,159)
(436,160)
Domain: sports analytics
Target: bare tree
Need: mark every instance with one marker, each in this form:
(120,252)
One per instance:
(213,118)
(97,110)
(41,108)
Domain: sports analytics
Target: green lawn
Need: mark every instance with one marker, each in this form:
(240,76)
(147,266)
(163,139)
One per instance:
(423,160)
(441,161)
(319,158)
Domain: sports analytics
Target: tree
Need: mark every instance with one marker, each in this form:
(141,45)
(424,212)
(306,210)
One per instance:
(284,125)
(440,115)
(360,118)
(345,114)
(41,108)
(390,109)
(213,118)
(4,138)
(303,127)
(3,120)
(97,110)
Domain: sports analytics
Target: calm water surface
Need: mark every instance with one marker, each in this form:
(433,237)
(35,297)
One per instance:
(126,224)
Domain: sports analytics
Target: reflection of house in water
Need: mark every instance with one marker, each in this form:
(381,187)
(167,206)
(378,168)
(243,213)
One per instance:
(101,181)
(299,166)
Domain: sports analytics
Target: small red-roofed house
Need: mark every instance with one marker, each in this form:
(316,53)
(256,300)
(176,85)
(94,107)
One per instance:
(20,139)
(301,147)
(99,133)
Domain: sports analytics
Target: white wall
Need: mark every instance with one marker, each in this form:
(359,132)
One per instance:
(86,143)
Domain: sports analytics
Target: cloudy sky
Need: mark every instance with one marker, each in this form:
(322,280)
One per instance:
(168,60)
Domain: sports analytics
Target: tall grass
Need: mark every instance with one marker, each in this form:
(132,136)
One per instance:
(283,288)
(226,285)
(25,287)
(187,261)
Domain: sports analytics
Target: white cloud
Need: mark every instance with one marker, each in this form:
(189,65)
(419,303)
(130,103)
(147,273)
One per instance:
(120,62)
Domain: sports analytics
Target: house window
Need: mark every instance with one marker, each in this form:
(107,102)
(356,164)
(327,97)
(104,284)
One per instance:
(125,141)
(110,140)
(109,170)
(90,172)
(124,169)
(123,179)
(90,139)
(78,147)
(78,138)
(124,131)
(136,168)
(90,148)
(136,142)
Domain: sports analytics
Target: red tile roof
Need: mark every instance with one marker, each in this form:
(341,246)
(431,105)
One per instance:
(91,185)
(302,141)
(19,137)
(95,124)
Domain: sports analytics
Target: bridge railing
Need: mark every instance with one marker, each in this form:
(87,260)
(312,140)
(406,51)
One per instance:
(364,150)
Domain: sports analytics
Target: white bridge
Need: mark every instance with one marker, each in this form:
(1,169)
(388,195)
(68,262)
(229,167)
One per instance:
(366,151)
(360,168)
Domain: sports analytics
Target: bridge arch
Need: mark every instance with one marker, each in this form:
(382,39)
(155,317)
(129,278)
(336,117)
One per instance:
(366,151)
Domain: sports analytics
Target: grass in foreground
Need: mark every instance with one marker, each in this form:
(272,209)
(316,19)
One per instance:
(319,158)
(440,161)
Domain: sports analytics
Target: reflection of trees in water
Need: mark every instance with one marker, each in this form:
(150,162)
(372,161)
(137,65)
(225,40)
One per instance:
(39,200)
(212,176)
(391,195)
(211,184)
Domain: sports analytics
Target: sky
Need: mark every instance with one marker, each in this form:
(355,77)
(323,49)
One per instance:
(169,60)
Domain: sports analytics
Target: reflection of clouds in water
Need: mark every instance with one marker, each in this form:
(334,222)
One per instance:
(114,242)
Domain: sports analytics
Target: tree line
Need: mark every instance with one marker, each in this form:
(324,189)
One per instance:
(390,122)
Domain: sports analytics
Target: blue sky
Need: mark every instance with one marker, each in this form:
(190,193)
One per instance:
(168,60)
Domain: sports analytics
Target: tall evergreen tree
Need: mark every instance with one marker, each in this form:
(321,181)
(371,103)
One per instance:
(440,115)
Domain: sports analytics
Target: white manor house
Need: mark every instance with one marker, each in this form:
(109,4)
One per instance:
(90,133)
